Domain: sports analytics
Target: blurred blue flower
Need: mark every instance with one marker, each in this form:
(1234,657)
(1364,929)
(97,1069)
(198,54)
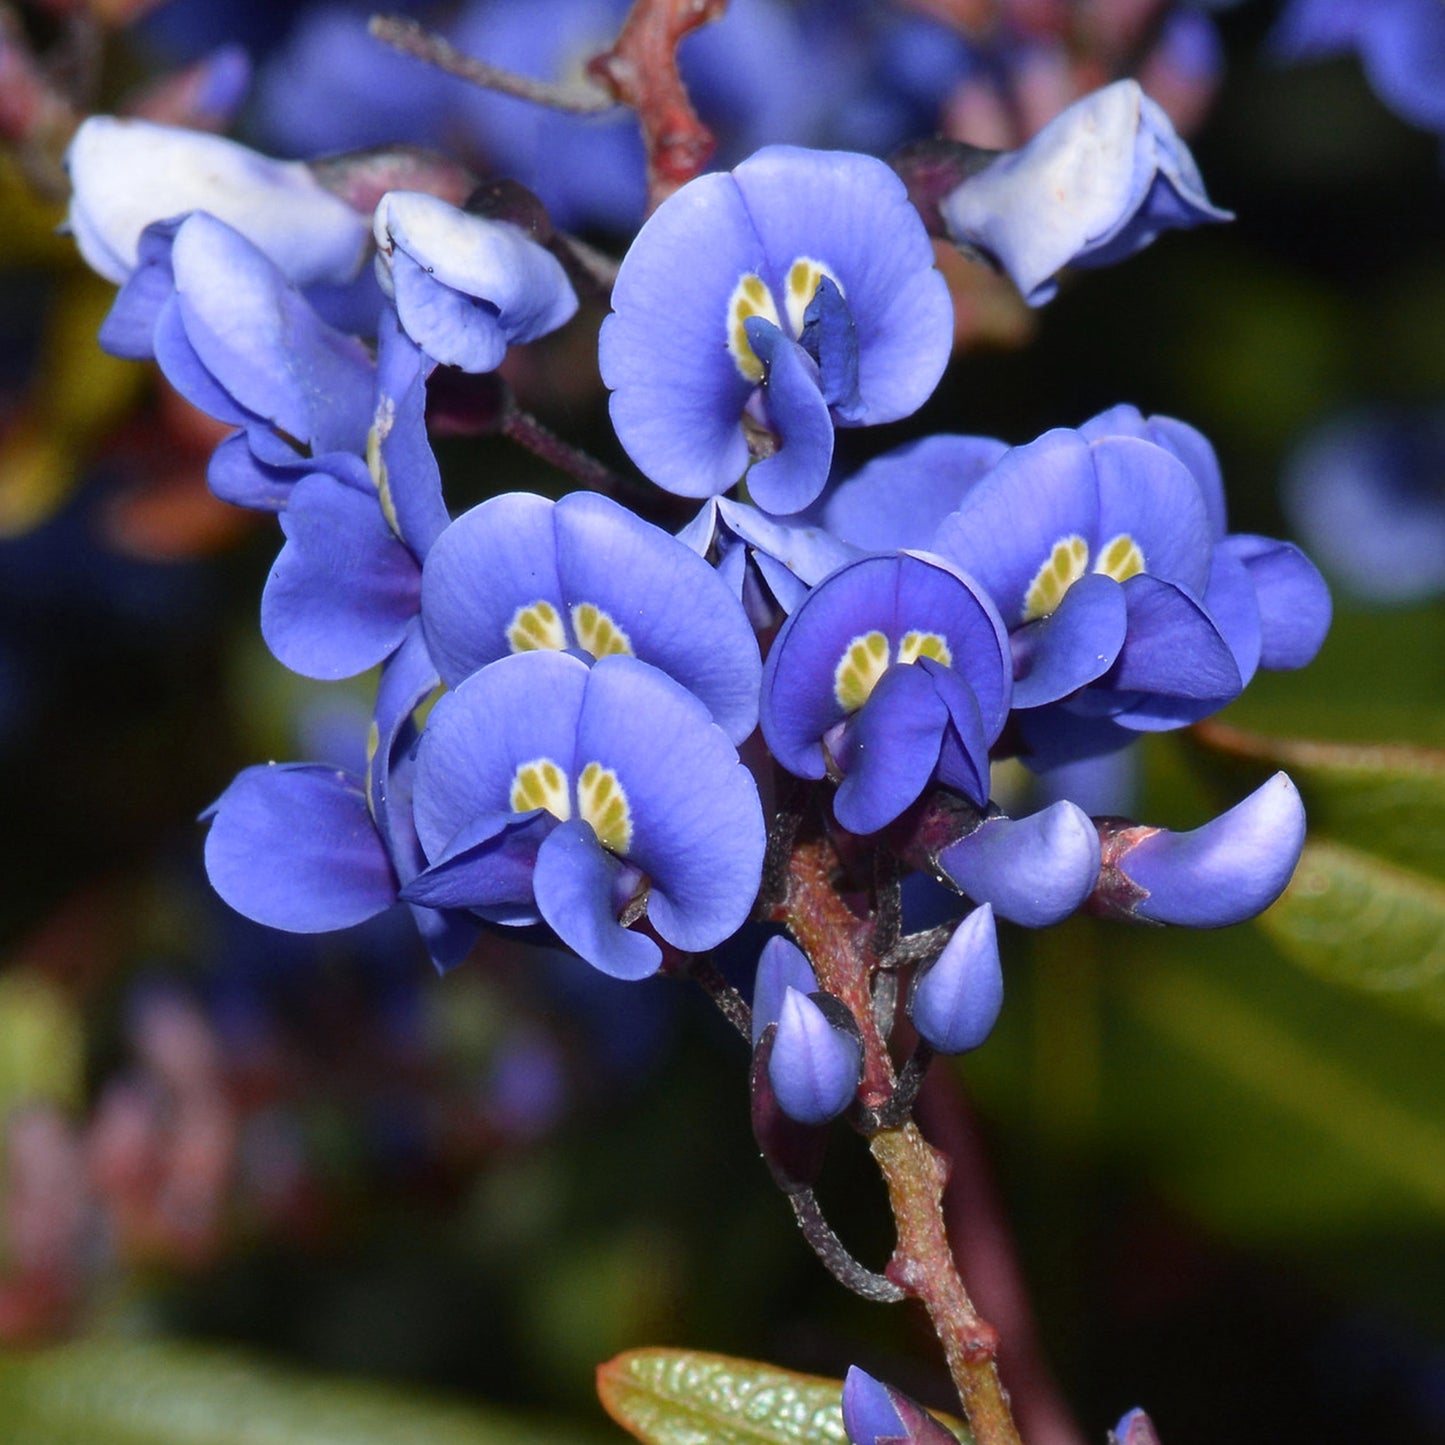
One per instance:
(1401,44)
(1366,492)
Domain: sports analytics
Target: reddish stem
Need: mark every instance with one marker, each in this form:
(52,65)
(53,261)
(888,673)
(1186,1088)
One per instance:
(640,70)
(840,946)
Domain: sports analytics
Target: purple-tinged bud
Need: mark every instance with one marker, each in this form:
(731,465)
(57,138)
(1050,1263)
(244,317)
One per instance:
(781,965)
(874,1412)
(956,998)
(1034,871)
(1224,872)
(1136,1428)
(1097,184)
(815,1065)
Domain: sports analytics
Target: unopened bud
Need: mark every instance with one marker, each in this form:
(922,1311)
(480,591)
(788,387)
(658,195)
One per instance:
(956,998)
(1034,871)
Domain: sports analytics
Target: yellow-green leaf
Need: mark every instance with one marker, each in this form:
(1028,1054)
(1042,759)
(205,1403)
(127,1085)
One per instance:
(685,1397)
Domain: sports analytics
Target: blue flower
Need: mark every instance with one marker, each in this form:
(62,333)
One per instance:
(893,673)
(520,573)
(782,965)
(1366,492)
(1224,872)
(466,287)
(584,796)
(1129,608)
(126,174)
(1097,184)
(759,308)
(877,1414)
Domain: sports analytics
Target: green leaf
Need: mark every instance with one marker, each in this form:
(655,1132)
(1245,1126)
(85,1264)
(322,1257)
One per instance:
(1366,908)
(1366,924)
(131,1393)
(1385,798)
(684,1397)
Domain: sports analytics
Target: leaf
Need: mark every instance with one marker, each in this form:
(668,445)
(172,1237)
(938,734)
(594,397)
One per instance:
(1366,907)
(1388,798)
(128,1393)
(1366,924)
(684,1397)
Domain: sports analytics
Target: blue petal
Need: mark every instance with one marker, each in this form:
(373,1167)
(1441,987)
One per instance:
(1008,522)
(1148,493)
(237,475)
(899,499)
(1294,603)
(294,847)
(678,613)
(1073,645)
(260,340)
(1190,446)
(781,965)
(412,478)
(130,325)
(698,830)
(575,884)
(1233,607)
(1173,648)
(183,368)
(487,868)
(830,337)
(451,327)
(890,749)
(1035,870)
(518,710)
(344,589)
(493,559)
(869,1416)
(793,476)
(677,395)
(963,756)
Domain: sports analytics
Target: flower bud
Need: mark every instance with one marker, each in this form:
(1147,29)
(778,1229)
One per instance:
(815,1065)
(956,998)
(1229,870)
(1099,182)
(781,965)
(874,1413)
(1034,871)
(1136,1428)
(128,173)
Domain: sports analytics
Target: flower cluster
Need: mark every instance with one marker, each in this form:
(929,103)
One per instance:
(882,639)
